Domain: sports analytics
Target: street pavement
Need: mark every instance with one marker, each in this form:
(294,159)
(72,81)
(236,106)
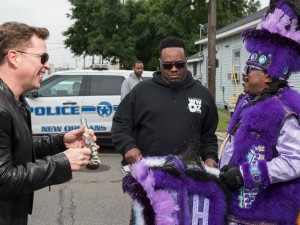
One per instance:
(90,198)
(221,136)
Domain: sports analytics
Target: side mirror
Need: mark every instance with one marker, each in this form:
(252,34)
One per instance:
(33,94)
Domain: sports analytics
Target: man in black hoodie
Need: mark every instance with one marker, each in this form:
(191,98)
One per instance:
(162,112)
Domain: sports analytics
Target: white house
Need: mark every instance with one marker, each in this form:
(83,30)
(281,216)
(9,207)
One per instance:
(231,56)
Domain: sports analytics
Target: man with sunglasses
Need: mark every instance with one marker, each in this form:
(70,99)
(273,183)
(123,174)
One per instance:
(23,61)
(260,161)
(160,113)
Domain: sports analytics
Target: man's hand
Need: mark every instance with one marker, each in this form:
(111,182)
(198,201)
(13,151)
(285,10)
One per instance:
(78,157)
(133,155)
(210,162)
(74,138)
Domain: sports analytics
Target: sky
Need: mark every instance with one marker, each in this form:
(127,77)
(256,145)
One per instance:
(52,15)
(46,13)
(264,3)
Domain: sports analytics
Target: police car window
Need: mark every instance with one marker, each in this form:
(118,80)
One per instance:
(106,85)
(66,85)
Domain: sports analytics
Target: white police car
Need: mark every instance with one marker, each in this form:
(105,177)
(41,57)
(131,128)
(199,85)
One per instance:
(65,97)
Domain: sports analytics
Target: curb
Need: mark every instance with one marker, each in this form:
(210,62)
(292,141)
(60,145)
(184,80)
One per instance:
(221,136)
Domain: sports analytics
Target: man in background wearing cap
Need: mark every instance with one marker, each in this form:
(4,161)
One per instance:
(260,161)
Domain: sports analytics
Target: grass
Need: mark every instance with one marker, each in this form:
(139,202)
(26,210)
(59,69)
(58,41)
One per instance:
(224,117)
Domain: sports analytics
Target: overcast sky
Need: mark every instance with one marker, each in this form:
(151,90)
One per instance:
(264,3)
(47,13)
(52,15)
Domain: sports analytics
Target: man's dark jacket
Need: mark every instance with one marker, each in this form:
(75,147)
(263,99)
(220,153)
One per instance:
(155,117)
(20,174)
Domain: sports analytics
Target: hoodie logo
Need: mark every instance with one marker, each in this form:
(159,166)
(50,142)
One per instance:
(195,105)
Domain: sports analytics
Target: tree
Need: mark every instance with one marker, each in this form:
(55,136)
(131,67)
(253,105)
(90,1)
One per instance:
(133,30)
(112,35)
(77,35)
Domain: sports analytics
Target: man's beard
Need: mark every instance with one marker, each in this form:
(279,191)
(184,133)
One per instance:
(174,85)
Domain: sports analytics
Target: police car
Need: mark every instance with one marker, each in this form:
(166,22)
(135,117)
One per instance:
(67,96)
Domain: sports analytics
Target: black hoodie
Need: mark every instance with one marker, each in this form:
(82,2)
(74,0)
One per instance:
(155,117)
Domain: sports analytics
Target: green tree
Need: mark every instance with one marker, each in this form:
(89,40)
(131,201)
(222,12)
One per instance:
(112,35)
(124,32)
(155,21)
(77,35)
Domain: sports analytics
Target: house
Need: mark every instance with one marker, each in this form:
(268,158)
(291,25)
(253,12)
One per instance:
(231,56)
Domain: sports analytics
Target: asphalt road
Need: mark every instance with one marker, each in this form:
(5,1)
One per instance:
(90,198)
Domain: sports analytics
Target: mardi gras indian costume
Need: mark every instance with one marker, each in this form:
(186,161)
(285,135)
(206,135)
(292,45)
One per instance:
(264,132)
(176,190)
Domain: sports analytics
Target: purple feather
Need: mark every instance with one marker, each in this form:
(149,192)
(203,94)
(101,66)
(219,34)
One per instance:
(136,191)
(163,204)
(280,23)
(209,189)
(278,35)
(282,198)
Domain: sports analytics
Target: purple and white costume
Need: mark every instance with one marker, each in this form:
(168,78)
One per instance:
(175,195)
(265,136)
(268,154)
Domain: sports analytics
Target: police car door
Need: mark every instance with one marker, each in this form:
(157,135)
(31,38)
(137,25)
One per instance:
(101,100)
(57,106)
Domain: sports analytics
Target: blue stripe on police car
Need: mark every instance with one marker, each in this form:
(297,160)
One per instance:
(103,109)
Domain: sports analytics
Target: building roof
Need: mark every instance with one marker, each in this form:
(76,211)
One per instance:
(195,58)
(238,26)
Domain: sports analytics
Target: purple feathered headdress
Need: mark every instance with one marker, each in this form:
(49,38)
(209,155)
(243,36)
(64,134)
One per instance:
(275,43)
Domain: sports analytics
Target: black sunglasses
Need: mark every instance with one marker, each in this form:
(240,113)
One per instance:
(169,65)
(249,68)
(44,57)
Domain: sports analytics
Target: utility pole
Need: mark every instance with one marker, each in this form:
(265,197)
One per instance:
(211,45)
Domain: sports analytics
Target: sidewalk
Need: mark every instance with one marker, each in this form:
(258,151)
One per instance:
(221,135)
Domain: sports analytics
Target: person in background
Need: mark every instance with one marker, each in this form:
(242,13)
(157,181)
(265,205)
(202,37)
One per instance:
(133,79)
(164,111)
(260,161)
(29,163)
(127,85)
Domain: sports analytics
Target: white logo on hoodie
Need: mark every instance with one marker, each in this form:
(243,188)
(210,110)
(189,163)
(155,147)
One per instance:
(194,105)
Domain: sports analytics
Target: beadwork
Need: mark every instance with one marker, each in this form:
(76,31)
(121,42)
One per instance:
(260,59)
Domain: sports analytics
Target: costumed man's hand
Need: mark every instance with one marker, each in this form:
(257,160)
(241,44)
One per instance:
(210,162)
(231,175)
(133,155)
(75,139)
